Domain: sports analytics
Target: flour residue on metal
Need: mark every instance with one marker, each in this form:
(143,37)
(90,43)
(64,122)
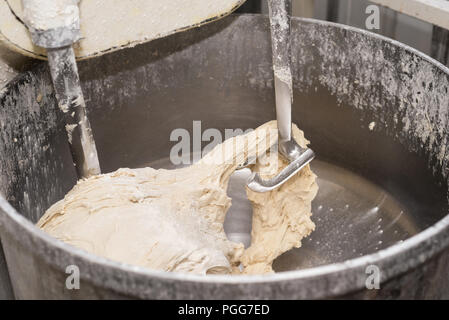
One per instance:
(354,65)
(285,75)
(69,128)
(51,14)
(30,127)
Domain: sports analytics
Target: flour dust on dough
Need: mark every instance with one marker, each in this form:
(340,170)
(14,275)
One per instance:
(172,220)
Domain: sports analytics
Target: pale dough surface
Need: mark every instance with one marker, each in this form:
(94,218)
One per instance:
(172,220)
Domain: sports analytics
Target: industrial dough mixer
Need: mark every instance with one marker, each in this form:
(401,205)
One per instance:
(371,210)
(55,26)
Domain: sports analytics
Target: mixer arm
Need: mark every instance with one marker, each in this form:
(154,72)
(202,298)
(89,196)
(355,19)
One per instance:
(54,25)
(296,156)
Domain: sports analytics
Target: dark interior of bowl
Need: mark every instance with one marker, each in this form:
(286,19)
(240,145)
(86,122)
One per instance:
(373,111)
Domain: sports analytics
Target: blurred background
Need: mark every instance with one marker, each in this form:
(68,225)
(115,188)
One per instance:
(417,33)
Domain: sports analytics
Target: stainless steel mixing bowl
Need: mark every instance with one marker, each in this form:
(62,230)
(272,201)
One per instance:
(375,110)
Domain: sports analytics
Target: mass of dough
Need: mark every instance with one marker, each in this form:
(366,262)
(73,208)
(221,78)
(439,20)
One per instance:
(172,220)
